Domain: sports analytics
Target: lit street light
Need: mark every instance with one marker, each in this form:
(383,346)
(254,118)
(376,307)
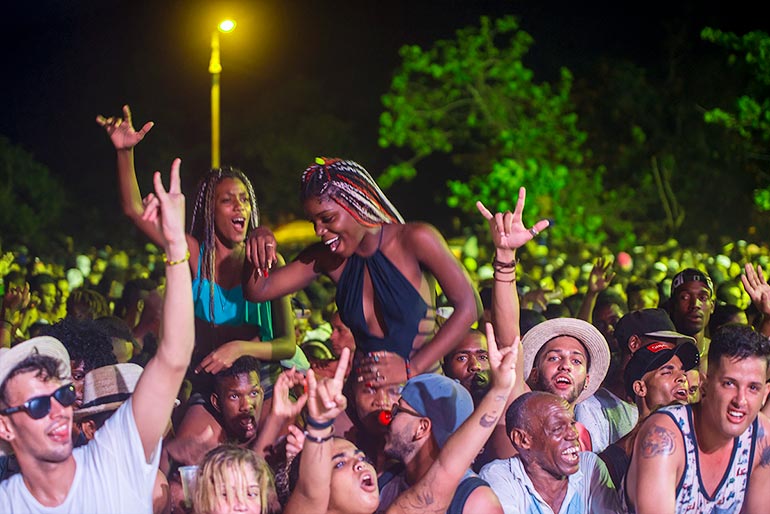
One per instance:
(215,68)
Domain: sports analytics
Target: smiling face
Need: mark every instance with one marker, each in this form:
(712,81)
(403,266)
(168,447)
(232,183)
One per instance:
(48,439)
(239,399)
(561,368)
(554,445)
(232,211)
(691,307)
(338,230)
(354,480)
(733,393)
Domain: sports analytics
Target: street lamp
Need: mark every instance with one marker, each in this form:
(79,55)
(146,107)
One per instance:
(215,68)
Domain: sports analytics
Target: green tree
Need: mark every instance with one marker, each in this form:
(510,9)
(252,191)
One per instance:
(472,99)
(31,199)
(749,117)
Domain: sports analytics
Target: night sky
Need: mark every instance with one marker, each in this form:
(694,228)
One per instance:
(66,61)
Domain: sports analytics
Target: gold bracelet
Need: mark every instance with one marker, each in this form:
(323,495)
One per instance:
(180,261)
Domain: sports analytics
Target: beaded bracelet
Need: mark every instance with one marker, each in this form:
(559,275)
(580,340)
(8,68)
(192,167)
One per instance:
(318,425)
(318,440)
(180,261)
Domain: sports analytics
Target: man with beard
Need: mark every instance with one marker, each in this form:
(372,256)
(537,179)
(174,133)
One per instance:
(469,364)
(567,357)
(550,474)
(655,377)
(430,409)
(714,455)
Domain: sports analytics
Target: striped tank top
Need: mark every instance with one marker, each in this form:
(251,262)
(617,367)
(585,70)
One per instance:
(691,495)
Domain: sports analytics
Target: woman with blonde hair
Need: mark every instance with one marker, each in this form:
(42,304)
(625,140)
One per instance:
(234,479)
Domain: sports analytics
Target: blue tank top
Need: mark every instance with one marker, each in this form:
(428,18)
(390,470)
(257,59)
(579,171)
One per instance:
(230,307)
(398,302)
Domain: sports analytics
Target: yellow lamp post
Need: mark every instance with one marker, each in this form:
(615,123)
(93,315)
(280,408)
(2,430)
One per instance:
(215,68)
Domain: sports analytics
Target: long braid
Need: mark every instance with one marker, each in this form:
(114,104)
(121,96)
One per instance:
(203,227)
(352,188)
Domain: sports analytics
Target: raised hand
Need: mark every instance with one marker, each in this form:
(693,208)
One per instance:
(260,249)
(121,130)
(502,363)
(295,441)
(376,367)
(166,208)
(325,399)
(507,229)
(283,407)
(757,287)
(601,275)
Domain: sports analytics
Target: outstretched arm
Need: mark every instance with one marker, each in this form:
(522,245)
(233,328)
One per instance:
(124,138)
(153,399)
(598,280)
(434,491)
(508,235)
(325,402)
(759,290)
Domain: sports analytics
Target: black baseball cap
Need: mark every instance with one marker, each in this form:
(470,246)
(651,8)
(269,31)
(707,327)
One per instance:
(691,275)
(654,323)
(655,355)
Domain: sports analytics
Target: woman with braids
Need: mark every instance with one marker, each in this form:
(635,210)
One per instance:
(384,270)
(226,325)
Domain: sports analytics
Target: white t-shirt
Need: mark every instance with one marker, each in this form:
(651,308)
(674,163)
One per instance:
(590,489)
(111,475)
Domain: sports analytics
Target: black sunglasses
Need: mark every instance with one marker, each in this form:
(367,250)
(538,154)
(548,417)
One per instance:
(40,406)
(398,408)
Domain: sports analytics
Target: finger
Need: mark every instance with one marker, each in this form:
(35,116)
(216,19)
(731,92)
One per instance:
(541,225)
(483,210)
(101,120)
(520,203)
(160,190)
(175,186)
(491,341)
(272,256)
(499,224)
(312,384)
(248,251)
(127,114)
(760,274)
(508,219)
(145,129)
(342,366)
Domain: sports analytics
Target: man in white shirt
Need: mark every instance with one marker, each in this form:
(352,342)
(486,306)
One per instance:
(116,471)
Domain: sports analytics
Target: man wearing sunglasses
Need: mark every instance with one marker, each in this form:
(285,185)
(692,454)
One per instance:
(430,409)
(116,471)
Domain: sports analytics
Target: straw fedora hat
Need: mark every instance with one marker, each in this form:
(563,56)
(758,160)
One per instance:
(106,388)
(592,339)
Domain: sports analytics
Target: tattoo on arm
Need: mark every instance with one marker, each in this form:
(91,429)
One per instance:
(764,457)
(658,441)
(487,420)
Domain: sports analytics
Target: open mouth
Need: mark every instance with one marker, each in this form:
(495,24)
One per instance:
(681,394)
(571,454)
(333,243)
(60,433)
(562,381)
(368,483)
(239,223)
(735,416)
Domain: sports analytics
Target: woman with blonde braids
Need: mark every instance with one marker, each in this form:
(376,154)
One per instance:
(385,271)
(233,479)
(226,325)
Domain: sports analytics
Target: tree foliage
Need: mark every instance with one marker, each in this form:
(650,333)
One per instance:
(31,199)
(473,99)
(749,117)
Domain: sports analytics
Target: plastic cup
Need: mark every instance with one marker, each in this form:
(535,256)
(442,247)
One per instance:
(188,474)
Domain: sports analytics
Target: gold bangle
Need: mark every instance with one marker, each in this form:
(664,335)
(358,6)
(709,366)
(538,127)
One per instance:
(180,261)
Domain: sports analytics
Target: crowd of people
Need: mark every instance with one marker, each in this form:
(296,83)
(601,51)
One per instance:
(206,374)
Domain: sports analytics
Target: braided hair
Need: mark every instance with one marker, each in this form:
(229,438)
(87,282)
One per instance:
(202,226)
(352,188)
